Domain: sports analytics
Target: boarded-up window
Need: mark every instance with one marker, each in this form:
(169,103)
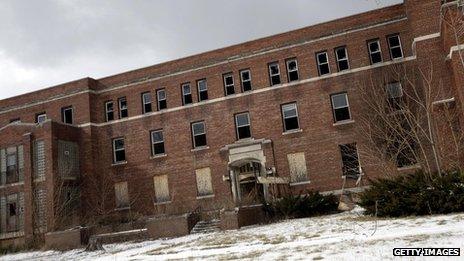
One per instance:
(39,159)
(161,188)
(297,165)
(204,185)
(122,195)
(68,159)
(40,208)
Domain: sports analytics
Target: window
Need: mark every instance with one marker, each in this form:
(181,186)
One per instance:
(375,53)
(198,134)
(395,95)
(204,185)
(245,77)
(229,83)
(297,166)
(157,143)
(161,96)
(119,152)
(274,73)
(340,107)
(121,192)
(109,111)
(394,44)
(146,102)
(342,59)
(11,166)
(15,120)
(290,117)
(292,70)
(202,90)
(161,186)
(186,94)
(350,160)
(323,63)
(12,219)
(67,115)
(41,117)
(123,112)
(242,125)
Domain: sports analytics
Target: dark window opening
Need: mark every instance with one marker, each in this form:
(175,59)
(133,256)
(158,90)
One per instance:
(146,102)
(375,52)
(342,59)
(198,134)
(161,96)
(202,90)
(242,123)
(323,63)
(41,117)
(350,160)
(394,44)
(123,110)
(157,142)
(109,110)
(119,152)
(245,77)
(340,107)
(186,94)
(229,84)
(67,115)
(274,73)
(290,117)
(292,69)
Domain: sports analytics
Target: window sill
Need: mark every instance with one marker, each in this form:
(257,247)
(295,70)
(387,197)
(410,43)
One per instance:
(119,163)
(292,131)
(415,166)
(300,183)
(199,148)
(205,196)
(162,203)
(12,184)
(121,208)
(345,122)
(159,156)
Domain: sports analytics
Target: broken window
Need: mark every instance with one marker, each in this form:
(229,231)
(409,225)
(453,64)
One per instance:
(41,117)
(202,90)
(394,44)
(229,84)
(119,152)
(157,143)
(375,52)
(341,54)
(161,96)
(274,73)
(242,125)
(245,77)
(323,63)
(122,195)
(290,117)
(204,185)
(146,102)
(123,110)
(186,94)
(198,134)
(292,70)
(109,110)
(67,115)
(161,189)
(297,167)
(340,107)
(350,160)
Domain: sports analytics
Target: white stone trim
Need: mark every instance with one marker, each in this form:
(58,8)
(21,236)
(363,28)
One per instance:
(444,101)
(455,49)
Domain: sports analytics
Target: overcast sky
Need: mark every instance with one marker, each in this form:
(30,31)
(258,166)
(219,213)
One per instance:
(48,42)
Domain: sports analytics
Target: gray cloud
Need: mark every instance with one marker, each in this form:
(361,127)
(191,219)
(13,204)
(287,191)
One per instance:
(48,42)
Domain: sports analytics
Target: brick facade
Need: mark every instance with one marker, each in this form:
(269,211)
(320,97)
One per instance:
(317,138)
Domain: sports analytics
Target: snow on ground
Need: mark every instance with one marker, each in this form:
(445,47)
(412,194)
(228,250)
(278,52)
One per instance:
(343,236)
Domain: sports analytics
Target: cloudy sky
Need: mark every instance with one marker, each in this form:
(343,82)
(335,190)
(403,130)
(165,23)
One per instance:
(47,42)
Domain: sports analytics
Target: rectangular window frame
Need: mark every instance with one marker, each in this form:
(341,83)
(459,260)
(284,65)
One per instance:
(229,89)
(392,47)
(287,62)
(109,112)
(41,115)
(320,64)
(146,106)
(201,92)
(347,59)
(123,111)
(347,106)
(243,82)
(369,42)
(194,135)
(154,143)
(115,161)
(237,127)
(345,172)
(64,118)
(271,75)
(284,125)
(186,97)
(162,104)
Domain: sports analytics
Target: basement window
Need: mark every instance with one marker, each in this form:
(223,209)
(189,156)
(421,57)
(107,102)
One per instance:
(202,90)
(350,160)
(123,111)
(245,77)
(198,134)
(341,54)
(109,110)
(146,102)
(186,94)
(67,115)
(274,73)
(292,70)
(229,84)
(290,117)
(394,44)
(375,52)
(340,107)
(119,151)
(161,96)
(242,125)
(323,63)
(157,143)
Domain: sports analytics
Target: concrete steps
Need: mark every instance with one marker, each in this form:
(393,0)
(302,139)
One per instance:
(206,226)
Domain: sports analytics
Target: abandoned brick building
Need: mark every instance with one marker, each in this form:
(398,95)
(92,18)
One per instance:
(209,130)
